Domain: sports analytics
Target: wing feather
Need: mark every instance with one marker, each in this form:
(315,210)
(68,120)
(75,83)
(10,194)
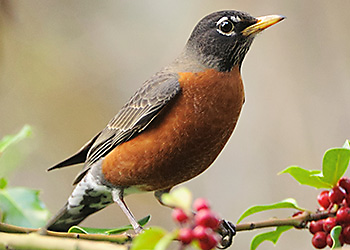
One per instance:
(78,157)
(134,117)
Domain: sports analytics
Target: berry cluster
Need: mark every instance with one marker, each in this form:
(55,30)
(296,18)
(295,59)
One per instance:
(200,226)
(337,198)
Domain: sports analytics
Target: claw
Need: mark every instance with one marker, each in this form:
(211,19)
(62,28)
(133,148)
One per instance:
(227,230)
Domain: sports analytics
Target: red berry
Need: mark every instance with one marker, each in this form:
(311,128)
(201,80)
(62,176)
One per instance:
(346,231)
(329,240)
(323,199)
(200,204)
(207,238)
(346,201)
(316,226)
(319,240)
(201,233)
(179,215)
(343,215)
(341,239)
(329,223)
(209,243)
(346,234)
(345,184)
(185,235)
(336,195)
(207,218)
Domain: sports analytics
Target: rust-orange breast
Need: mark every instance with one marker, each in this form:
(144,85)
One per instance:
(185,138)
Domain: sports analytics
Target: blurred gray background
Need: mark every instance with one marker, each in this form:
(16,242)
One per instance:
(66,67)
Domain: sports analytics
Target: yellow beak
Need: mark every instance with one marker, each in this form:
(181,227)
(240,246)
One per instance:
(262,23)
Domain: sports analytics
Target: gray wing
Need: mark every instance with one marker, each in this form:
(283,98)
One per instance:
(134,117)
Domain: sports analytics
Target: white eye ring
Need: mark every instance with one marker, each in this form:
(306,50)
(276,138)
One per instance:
(225,26)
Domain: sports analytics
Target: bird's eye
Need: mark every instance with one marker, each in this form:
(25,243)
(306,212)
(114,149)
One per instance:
(225,27)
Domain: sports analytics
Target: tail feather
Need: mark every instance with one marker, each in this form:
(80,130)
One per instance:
(87,198)
(66,218)
(63,220)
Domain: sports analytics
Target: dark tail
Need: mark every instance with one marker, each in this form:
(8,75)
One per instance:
(68,217)
(64,220)
(86,198)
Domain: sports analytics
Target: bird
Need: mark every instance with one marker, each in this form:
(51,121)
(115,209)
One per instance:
(173,127)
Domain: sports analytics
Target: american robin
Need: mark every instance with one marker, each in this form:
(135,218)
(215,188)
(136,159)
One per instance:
(173,127)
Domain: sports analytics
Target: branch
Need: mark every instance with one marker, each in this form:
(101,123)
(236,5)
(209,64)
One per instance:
(15,239)
(120,238)
(298,221)
(40,242)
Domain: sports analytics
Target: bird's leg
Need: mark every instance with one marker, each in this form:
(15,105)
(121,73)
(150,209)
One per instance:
(158,194)
(227,230)
(118,197)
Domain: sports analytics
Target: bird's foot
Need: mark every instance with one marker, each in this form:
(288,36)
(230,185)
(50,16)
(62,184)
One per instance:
(227,230)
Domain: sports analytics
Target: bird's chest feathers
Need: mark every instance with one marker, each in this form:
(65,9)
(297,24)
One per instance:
(210,100)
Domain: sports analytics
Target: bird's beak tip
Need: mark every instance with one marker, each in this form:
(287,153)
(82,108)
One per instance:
(262,23)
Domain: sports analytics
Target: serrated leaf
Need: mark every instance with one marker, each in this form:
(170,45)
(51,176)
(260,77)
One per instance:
(272,236)
(335,233)
(287,203)
(180,197)
(22,207)
(335,163)
(346,144)
(148,239)
(3,183)
(11,139)
(164,242)
(306,177)
(106,231)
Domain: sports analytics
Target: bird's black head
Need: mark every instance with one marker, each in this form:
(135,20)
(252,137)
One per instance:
(222,39)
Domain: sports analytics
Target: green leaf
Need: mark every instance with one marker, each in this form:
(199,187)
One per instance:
(287,203)
(180,197)
(306,177)
(335,233)
(335,163)
(164,242)
(3,183)
(346,144)
(272,236)
(11,139)
(22,207)
(84,230)
(148,239)
(107,231)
